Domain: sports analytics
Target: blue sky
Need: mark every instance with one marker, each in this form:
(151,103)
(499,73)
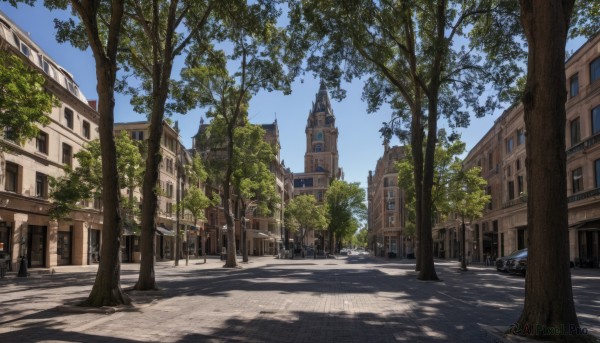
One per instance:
(359,145)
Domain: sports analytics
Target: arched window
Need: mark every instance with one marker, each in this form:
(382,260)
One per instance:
(318,148)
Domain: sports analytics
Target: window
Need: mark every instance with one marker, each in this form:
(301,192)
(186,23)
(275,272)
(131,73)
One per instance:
(169,208)
(509,145)
(595,70)
(520,136)
(391,220)
(41,142)
(137,135)
(67,156)
(575,131)
(170,165)
(520,189)
(169,190)
(72,87)
(391,205)
(509,170)
(41,185)
(69,118)
(577,180)
(25,50)
(511,190)
(596,120)
(597,172)
(85,129)
(318,148)
(11,183)
(98,203)
(518,164)
(9,134)
(490,161)
(574,85)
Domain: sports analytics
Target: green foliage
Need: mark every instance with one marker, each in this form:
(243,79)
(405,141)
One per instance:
(446,164)
(397,46)
(466,192)
(360,239)
(24,103)
(345,208)
(304,213)
(85,181)
(252,177)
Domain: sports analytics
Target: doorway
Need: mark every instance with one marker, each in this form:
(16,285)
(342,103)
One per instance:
(36,246)
(63,247)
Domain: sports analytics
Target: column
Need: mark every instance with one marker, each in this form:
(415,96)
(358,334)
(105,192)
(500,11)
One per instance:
(79,243)
(51,244)
(19,234)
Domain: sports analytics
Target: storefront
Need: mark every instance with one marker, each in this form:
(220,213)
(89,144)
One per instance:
(36,246)
(64,247)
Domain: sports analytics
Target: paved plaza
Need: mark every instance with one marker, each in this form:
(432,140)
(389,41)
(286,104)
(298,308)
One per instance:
(348,299)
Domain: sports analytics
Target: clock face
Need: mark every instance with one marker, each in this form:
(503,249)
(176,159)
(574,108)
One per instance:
(319,136)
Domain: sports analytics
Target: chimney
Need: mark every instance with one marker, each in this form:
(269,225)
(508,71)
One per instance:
(93,104)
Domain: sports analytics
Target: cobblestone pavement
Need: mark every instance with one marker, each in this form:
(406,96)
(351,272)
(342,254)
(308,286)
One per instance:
(348,299)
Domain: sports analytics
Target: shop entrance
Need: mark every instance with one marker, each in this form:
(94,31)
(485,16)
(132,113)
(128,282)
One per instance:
(36,246)
(63,247)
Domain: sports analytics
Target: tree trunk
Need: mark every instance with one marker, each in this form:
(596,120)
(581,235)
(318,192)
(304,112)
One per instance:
(231,258)
(107,287)
(417,153)
(463,262)
(204,244)
(244,239)
(548,292)
(146,280)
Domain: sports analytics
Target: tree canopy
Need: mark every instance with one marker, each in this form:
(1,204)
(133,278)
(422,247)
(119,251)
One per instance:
(24,102)
(345,208)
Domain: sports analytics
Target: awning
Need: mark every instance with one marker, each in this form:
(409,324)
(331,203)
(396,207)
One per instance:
(161,230)
(586,225)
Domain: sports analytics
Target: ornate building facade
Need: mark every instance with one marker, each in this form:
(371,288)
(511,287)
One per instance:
(321,156)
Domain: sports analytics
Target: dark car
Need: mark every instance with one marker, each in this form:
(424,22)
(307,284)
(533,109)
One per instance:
(518,263)
(501,261)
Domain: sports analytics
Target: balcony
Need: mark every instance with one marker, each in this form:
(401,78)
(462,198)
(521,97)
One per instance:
(584,195)
(514,202)
(588,143)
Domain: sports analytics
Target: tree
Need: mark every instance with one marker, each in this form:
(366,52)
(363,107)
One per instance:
(466,198)
(154,39)
(446,155)
(303,213)
(253,182)
(548,290)
(85,181)
(24,103)
(99,28)
(410,52)
(360,238)
(195,200)
(258,59)
(345,207)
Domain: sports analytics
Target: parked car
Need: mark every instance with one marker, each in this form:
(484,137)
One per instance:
(518,263)
(501,261)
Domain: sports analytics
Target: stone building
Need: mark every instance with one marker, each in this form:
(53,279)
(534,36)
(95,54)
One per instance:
(25,227)
(321,157)
(264,232)
(386,207)
(501,154)
(174,158)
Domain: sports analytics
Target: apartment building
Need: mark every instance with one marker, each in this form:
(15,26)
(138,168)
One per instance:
(171,177)
(25,227)
(264,232)
(386,207)
(501,154)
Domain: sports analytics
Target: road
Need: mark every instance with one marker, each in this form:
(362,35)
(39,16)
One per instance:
(348,299)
